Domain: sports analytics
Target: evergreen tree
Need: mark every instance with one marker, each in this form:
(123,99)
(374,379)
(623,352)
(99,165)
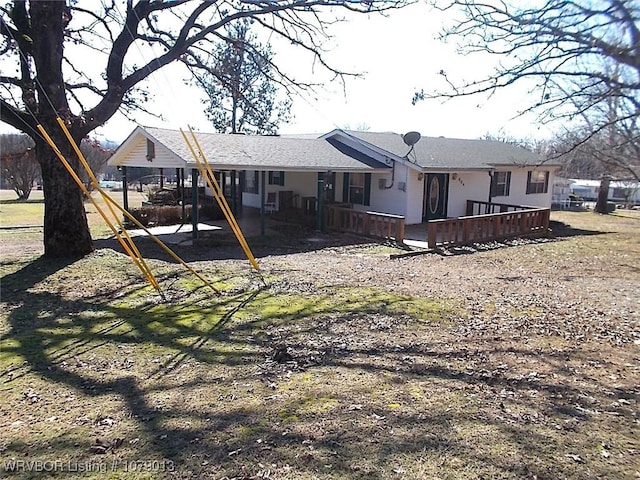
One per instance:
(241,89)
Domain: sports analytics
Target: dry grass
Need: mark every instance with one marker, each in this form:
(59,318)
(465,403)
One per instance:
(518,362)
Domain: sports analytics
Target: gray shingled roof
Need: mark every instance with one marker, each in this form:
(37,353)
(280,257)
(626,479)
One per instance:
(451,153)
(264,152)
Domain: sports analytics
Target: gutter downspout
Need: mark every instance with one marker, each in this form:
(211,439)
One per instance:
(491,172)
(393,175)
(320,208)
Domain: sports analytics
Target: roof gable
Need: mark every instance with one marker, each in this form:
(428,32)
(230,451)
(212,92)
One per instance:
(250,152)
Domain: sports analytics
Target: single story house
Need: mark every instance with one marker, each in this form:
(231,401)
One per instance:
(418,178)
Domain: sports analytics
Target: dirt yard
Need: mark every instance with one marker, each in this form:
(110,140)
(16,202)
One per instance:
(512,361)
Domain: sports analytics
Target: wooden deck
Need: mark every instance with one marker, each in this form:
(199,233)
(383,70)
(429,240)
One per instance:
(485,222)
(371,224)
(510,221)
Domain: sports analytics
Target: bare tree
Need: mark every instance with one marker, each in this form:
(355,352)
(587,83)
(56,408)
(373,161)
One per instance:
(581,61)
(50,42)
(19,168)
(96,155)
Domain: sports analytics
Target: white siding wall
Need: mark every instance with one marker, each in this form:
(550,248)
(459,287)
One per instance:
(251,200)
(518,191)
(391,199)
(302,184)
(469,185)
(138,155)
(415,201)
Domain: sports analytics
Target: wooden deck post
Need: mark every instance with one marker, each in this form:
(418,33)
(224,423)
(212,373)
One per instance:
(400,230)
(432,234)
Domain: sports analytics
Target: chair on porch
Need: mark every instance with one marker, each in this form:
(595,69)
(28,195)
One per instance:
(270,203)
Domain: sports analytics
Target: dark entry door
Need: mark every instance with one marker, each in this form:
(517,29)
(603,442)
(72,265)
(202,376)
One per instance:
(329,187)
(435,196)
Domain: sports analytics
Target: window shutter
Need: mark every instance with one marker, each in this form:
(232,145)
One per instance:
(345,187)
(507,186)
(546,182)
(494,184)
(270,177)
(529,187)
(282,179)
(367,189)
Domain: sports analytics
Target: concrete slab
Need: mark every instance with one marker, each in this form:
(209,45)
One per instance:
(417,244)
(174,234)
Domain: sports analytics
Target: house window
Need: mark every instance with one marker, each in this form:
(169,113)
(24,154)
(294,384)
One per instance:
(151,150)
(250,184)
(276,178)
(537,181)
(500,184)
(356,188)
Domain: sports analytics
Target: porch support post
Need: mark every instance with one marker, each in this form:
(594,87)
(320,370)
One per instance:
(320,209)
(263,186)
(180,185)
(125,193)
(490,185)
(162,178)
(194,203)
(234,200)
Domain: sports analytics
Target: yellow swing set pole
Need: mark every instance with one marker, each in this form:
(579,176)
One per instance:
(96,185)
(111,202)
(161,244)
(206,171)
(84,189)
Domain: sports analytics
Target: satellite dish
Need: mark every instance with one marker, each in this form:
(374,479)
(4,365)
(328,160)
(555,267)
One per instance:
(411,138)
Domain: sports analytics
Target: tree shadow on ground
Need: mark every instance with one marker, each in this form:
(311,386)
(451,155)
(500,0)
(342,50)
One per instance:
(226,247)
(359,398)
(563,230)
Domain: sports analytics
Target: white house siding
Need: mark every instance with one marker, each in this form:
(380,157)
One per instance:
(467,185)
(415,200)
(302,184)
(393,198)
(518,191)
(138,153)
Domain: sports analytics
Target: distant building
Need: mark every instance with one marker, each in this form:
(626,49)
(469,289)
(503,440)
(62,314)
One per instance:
(621,192)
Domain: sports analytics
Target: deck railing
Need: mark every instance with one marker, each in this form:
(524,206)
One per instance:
(478,207)
(510,221)
(373,224)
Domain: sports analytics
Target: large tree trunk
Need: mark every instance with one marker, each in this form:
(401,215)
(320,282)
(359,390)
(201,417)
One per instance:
(66,231)
(603,195)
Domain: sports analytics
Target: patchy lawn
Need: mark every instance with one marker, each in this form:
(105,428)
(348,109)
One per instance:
(333,362)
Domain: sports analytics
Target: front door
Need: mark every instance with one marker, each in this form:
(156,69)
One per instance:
(435,196)
(329,187)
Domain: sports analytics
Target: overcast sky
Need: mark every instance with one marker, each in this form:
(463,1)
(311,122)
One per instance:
(397,55)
